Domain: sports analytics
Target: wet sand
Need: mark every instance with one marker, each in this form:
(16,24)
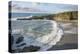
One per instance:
(69,40)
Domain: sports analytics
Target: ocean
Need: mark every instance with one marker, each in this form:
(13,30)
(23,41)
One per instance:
(13,15)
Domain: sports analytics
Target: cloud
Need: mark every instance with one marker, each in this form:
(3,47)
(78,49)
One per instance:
(25,7)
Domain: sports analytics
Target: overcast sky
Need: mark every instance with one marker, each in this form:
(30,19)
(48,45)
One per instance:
(25,7)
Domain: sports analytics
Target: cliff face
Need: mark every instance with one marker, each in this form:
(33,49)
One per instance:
(66,16)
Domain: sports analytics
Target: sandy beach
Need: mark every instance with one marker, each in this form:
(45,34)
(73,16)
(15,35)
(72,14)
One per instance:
(69,39)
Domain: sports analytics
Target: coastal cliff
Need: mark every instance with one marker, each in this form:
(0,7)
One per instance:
(64,16)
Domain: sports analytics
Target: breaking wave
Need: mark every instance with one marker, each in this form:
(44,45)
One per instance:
(44,34)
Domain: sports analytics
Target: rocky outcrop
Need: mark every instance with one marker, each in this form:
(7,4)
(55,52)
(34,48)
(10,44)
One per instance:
(66,16)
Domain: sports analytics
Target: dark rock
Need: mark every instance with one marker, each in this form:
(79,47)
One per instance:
(21,45)
(20,39)
(12,40)
(30,49)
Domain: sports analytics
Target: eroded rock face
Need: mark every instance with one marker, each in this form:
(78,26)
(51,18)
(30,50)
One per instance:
(35,35)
